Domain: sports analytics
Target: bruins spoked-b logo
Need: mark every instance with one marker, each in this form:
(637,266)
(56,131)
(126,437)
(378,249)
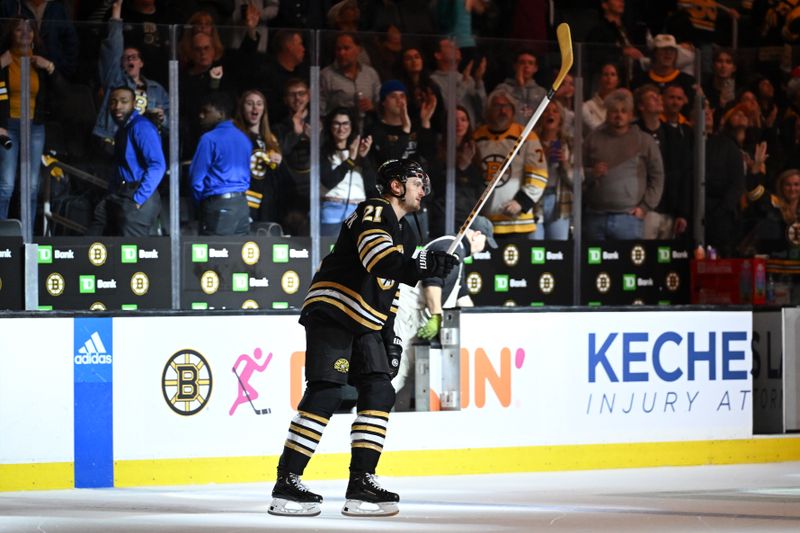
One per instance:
(97,306)
(140,283)
(250,304)
(474,283)
(511,255)
(186,382)
(290,282)
(342,365)
(98,254)
(250,253)
(209,282)
(55,284)
(673,281)
(603,282)
(638,255)
(547,282)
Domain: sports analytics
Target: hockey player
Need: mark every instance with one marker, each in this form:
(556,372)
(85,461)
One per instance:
(349,315)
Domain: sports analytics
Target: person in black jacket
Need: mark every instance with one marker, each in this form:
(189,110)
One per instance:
(346,173)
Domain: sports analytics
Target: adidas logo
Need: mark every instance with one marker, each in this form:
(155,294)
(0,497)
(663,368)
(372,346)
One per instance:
(93,352)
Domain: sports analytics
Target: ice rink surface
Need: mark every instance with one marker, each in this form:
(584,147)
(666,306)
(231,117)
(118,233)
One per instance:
(753,498)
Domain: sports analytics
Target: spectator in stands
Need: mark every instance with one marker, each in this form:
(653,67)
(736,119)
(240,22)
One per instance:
(198,79)
(148,31)
(670,219)
(523,87)
(288,62)
(347,82)
(624,174)
(120,65)
(220,170)
(386,52)
(344,16)
(610,31)
(201,22)
(20,40)
(663,70)
(725,178)
(511,206)
(554,210)
(263,11)
(267,196)
(455,18)
(294,135)
(469,176)
(133,204)
(56,32)
(772,220)
(767,102)
(594,110)
(565,95)
(346,173)
(470,90)
(395,134)
(419,84)
(720,88)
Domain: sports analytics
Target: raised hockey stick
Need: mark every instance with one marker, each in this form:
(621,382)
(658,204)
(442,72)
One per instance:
(565,45)
(264,411)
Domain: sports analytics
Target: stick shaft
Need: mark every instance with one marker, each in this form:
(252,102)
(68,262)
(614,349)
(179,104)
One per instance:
(506,163)
(565,46)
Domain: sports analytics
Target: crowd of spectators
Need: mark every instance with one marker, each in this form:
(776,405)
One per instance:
(388,73)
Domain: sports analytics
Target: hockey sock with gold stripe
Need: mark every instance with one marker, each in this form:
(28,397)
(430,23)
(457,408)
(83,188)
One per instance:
(305,432)
(367,435)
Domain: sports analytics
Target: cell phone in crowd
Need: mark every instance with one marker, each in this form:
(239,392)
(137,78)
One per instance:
(555,148)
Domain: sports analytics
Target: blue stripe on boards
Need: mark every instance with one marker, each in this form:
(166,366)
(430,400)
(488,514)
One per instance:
(93,410)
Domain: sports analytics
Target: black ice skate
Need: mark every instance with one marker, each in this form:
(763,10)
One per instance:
(291,498)
(366,498)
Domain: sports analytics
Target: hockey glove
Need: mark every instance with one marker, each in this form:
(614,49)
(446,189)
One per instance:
(430,329)
(393,354)
(435,264)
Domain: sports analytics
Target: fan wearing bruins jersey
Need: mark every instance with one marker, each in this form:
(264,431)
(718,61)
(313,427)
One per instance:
(511,206)
(349,315)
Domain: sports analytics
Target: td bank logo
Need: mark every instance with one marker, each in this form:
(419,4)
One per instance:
(44,254)
(629,282)
(501,283)
(537,256)
(664,254)
(594,256)
(87,284)
(129,253)
(280,253)
(199,253)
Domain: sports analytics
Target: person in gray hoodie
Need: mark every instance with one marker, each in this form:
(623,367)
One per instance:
(523,87)
(624,174)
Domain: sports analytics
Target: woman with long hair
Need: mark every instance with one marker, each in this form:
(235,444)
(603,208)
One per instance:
(554,210)
(347,174)
(469,175)
(417,79)
(20,39)
(267,194)
(594,110)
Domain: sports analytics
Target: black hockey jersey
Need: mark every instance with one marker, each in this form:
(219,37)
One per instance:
(357,283)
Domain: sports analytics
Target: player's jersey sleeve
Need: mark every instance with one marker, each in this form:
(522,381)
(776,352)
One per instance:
(374,228)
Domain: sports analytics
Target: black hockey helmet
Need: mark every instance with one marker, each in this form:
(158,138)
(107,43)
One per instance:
(401,170)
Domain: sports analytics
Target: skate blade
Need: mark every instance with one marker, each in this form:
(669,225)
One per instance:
(362,508)
(282,507)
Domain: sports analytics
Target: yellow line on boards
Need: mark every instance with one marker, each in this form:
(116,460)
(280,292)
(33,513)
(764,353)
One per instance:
(468,461)
(36,476)
(198,471)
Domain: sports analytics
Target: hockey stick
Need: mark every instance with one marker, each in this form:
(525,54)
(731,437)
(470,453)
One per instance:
(565,45)
(264,411)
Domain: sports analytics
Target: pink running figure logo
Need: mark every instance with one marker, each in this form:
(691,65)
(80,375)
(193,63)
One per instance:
(246,392)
